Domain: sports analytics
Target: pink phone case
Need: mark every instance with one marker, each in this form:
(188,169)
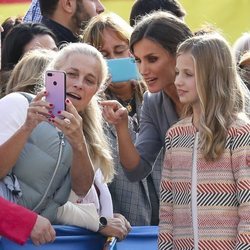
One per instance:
(55,83)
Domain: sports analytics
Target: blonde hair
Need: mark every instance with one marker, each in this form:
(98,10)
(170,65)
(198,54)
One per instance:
(219,88)
(93,35)
(28,74)
(98,146)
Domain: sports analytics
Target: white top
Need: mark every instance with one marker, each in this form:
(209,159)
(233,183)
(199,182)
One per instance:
(194,193)
(102,201)
(85,212)
(13,112)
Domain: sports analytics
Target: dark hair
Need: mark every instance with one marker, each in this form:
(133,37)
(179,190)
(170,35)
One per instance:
(142,7)
(17,39)
(163,28)
(48,7)
(8,24)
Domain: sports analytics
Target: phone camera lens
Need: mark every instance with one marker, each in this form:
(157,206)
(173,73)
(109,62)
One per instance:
(49,74)
(55,83)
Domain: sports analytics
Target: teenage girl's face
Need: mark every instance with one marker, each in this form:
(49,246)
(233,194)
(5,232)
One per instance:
(156,65)
(113,47)
(185,79)
(41,41)
(83,73)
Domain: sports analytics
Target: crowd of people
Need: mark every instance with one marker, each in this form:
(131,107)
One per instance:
(170,148)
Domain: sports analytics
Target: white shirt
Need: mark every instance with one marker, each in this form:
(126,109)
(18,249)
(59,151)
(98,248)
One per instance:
(103,202)
(194,193)
(13,112)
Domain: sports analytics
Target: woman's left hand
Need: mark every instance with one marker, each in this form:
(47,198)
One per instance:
(117,227)
(82,170)
(70,125)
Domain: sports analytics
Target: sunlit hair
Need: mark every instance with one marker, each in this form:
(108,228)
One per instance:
(28,74)
(220,90)
(97,142)
(93,35)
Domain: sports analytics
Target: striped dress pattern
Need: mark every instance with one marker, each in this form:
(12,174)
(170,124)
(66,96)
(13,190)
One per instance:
(223,192)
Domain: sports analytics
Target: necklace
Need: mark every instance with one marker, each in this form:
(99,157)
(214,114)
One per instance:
(128,104)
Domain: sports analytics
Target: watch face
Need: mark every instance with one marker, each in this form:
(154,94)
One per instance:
(103,221)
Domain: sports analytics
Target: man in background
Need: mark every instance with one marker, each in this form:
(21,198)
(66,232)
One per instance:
(66,18)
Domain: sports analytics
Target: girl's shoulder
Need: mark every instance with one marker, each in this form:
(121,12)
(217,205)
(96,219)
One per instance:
(182,127)
(241,125)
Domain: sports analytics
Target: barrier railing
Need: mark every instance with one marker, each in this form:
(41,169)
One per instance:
(75,238)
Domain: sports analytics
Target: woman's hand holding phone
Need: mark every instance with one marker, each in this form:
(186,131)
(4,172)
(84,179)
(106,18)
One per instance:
(38,111)
(63,113)
(46,105)
(70,123)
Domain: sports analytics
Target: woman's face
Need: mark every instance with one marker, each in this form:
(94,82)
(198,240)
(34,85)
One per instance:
(113,47)
(41,41)
(83,75)
(156,64)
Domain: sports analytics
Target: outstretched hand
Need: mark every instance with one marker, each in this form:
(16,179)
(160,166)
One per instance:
(114,113)
(70,124)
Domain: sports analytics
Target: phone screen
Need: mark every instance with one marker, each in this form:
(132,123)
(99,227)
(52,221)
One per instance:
(55,83)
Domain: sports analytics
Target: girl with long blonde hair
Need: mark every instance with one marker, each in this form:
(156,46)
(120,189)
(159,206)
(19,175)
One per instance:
(205,190)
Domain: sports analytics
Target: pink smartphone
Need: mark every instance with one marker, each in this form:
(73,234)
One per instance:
(55,84)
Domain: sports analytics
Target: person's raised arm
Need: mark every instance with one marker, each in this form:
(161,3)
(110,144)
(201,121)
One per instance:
(114,113)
